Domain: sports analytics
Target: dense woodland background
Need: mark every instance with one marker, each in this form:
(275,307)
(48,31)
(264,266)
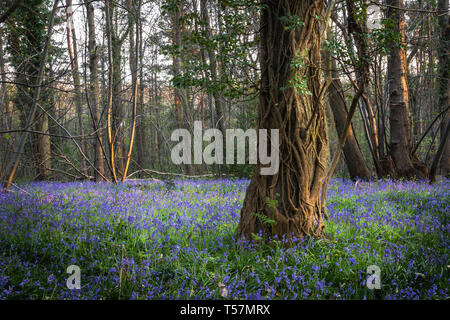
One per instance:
(108,81)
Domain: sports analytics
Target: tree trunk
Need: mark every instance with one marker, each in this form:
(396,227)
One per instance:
(4,97)
(213,69)
(27,46)
(43,147)
(6,115)
(94,91)
(180,95)
(219,121)
(400,145)
(354,158)
(134,11)
(73,56)
(118,108)
(290,56)
(444,82)
(358,29)
(42,144)
(141,140)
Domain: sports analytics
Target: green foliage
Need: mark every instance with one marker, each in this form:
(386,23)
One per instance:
(291,22)
(264,220)
(386,37)
(231,48)
(272,203)
(299,80)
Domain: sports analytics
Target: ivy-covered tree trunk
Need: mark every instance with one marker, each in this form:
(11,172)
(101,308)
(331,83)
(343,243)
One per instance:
(400,119)
(290,100)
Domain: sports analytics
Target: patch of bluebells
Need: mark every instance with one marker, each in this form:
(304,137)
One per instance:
(148,240)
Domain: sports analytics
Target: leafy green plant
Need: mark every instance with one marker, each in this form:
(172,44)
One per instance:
(299,80)
(291,22)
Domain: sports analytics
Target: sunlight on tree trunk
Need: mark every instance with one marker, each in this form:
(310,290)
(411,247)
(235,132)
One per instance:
(400,117)
(291,101)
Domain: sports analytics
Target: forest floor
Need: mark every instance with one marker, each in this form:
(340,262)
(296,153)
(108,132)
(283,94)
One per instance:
(150,240)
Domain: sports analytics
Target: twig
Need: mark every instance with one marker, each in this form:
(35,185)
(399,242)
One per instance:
(148,171)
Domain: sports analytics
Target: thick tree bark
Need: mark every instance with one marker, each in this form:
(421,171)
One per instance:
(290,55)
(400,145)
(94,92)
(354,158)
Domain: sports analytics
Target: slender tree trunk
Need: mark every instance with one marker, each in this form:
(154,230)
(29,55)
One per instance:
(176,31)
(6,116)
(4,97)
(439,153)
(118,108)
(134,17)
(354,158)
(444,82)
(400,145)
(157,138)
(111,129)
(44,151)
(358,29)
(141,140)
(73,56)
(180,94)
(213,68)
(219,117)
(94,91)
(299,114)
(43,147)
